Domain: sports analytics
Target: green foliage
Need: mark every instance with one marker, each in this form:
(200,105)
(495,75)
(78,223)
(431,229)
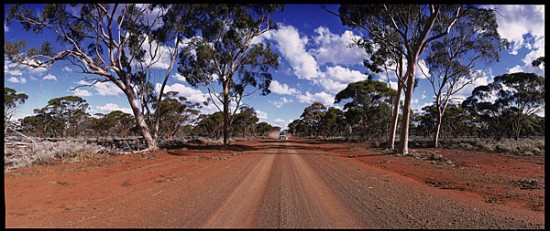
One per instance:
(517,97)
(538,62)
(453,124)
(298,128)
(367,107)
(61,117)
(209,125)
(334,123)
(262,128)
(14,50)
(244,122)
(113,124)
(312,118)
(405,31)
(12,100)
(117,43)
(224,51)
(175,113)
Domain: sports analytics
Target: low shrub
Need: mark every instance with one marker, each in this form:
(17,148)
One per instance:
(45,151)
(523,146)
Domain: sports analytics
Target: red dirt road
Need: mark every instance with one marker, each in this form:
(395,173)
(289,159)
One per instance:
(268,184)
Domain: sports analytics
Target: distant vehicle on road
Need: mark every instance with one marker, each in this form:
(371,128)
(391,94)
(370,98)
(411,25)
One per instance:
(283,135)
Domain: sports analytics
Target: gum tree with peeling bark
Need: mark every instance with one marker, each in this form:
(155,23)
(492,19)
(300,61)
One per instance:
(451,61)
(116,43)
(416,26)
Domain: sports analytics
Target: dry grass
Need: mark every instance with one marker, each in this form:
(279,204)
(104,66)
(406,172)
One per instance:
(45,151)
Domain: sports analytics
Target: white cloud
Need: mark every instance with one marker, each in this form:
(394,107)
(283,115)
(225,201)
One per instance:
(107,88)
(178,77)
(113,107)
(292,47)
(192,94)
(467,90)
(331,85)
(337,78)
(13,72)
(6,29)
(162,56)
(67,69)
(103,88)
(335,49)
(282,89)
(50,77)
(13,80)
(282,101)
(261,115)
(81,93)
(537,51)
(15,69)
(422,70)
(515,21)
(322,97)
(329,48)
(17,80)
(282,123)
(345,75)
(416,107)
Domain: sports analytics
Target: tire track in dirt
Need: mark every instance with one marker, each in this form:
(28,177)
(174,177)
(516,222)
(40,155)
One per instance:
(297,198)
(239,207)
(387,200)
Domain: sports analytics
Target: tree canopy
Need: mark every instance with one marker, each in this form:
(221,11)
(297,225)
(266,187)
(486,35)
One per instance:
(225,54)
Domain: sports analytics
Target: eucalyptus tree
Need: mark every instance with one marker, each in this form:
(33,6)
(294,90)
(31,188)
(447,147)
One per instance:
(225,55)
(119,123)
(116,43)
(384,56)
(538,62)
(523,93)
(312,118)
(366,101)
(486,115)
(70,111)
(451,61)
(297,128)
(209,125)
(516,97)
(12,100)
(59,116)
(262,128)
(334,122)
(453,123)
(176,112)
(34,125)
(416,26)
(245,122)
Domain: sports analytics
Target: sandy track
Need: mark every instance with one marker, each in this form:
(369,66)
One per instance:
(274,185)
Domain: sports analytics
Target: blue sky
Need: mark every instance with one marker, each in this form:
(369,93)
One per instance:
(315,63)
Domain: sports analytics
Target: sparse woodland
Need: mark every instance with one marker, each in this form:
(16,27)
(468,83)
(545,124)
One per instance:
(497,117)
